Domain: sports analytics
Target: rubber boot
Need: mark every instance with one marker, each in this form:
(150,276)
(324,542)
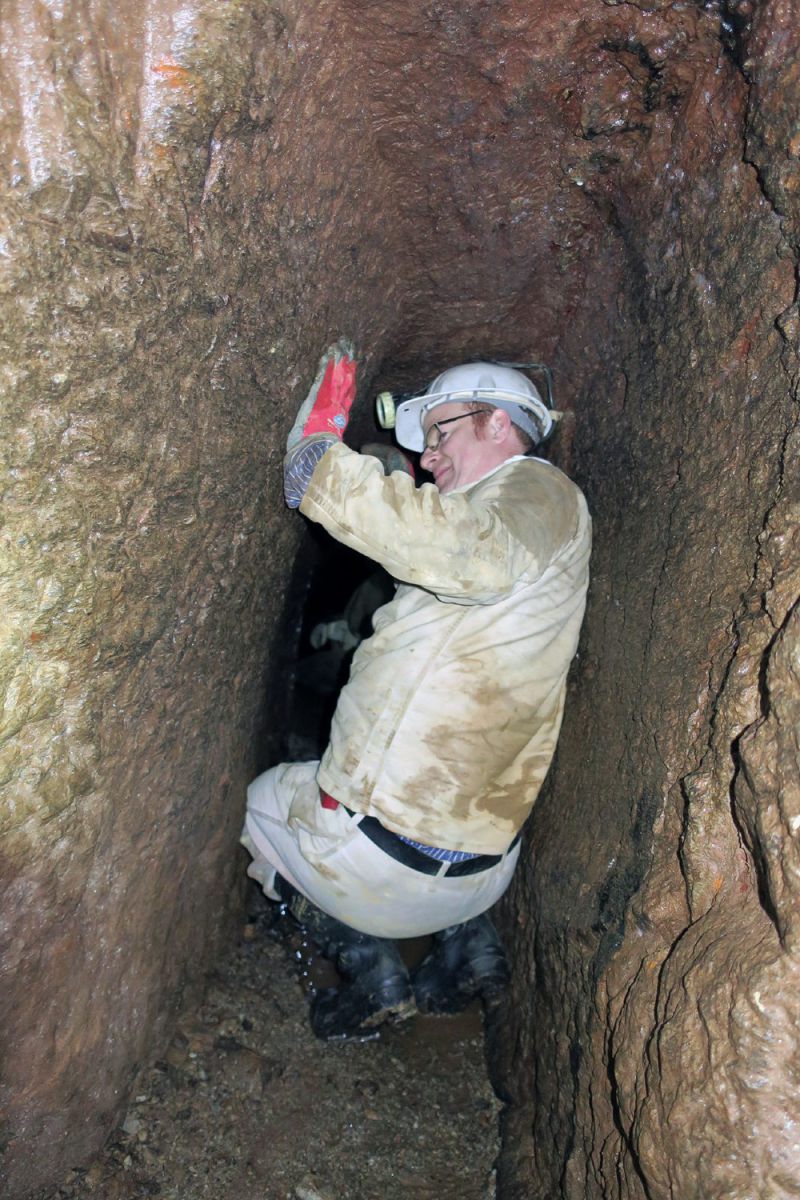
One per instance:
(466,961)
(375,986)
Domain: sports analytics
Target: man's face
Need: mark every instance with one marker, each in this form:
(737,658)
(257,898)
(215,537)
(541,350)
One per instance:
(461,457)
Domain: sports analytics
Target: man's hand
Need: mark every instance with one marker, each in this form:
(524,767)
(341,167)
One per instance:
(391,458)
(326,408)
(300,463)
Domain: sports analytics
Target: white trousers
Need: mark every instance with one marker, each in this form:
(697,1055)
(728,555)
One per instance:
(325,856)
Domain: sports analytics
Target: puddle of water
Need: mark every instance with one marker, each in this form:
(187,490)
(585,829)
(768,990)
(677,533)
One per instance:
(428,1039)
(413,950)
(419,1041)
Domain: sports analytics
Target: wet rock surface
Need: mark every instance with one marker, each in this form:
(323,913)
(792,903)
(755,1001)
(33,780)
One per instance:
(654,918)
(196,198)
(246,1103)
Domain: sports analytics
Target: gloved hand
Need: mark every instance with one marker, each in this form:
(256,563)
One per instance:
(392,458)
(326,408)
(338,632)
(299,464)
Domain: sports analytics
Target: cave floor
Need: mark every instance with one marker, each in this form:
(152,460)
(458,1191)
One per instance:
(248,1104)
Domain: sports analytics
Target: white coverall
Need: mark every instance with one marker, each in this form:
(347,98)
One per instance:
(449,720)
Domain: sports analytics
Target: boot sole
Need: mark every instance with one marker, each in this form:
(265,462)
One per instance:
(324,1024)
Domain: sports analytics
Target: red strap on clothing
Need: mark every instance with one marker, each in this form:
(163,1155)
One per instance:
(328,801)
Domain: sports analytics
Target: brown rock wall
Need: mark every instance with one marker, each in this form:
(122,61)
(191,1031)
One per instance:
(182,236)
(662,990)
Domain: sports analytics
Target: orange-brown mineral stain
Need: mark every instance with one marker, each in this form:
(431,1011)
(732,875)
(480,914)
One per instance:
(173,74)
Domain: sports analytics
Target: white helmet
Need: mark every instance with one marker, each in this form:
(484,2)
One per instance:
(488,383)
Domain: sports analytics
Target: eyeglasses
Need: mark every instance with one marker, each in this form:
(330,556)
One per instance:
(433,438)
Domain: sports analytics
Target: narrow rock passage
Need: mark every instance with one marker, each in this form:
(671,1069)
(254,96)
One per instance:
(248,1105)
(196,198)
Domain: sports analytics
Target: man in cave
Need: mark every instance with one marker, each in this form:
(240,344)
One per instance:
(444,732)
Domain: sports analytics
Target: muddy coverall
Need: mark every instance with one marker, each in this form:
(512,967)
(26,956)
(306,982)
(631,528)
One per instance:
(448,723)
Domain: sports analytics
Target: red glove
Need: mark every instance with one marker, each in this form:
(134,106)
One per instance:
(336,394)
(326,408)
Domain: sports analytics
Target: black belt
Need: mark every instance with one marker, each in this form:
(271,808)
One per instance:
(399,850)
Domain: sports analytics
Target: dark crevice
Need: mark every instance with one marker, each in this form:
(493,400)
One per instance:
(652,89)
(622,883)
(751,838)
(736,18)
(624,1133)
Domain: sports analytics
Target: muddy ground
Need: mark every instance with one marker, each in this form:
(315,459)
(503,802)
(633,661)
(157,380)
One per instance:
(248,1105)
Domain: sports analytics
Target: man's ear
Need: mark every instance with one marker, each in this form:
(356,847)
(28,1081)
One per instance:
(499,424)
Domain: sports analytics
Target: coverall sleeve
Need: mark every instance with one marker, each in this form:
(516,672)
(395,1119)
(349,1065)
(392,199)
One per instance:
(451,545)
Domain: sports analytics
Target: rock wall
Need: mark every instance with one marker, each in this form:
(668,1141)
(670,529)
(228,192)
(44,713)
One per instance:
(655,921)
(196,199)
(186,224)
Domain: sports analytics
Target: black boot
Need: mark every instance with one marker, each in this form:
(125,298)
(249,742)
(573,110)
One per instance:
(466,961)
(375,987)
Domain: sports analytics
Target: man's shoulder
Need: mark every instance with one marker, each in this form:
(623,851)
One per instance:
(528,478)
(540,506)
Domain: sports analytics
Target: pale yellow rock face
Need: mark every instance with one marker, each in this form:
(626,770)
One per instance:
(196,199)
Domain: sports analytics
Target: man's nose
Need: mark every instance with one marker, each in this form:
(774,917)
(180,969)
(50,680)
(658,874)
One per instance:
(427,457)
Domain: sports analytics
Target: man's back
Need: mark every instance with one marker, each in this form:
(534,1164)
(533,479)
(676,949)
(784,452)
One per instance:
(447,726)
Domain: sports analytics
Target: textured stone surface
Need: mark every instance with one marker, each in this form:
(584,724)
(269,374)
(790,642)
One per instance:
(196,198)
(660,1055)
(162,304)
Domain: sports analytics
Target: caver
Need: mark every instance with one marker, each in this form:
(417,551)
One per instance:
(410,822)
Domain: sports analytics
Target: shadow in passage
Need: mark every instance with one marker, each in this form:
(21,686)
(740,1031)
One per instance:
(340,594)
